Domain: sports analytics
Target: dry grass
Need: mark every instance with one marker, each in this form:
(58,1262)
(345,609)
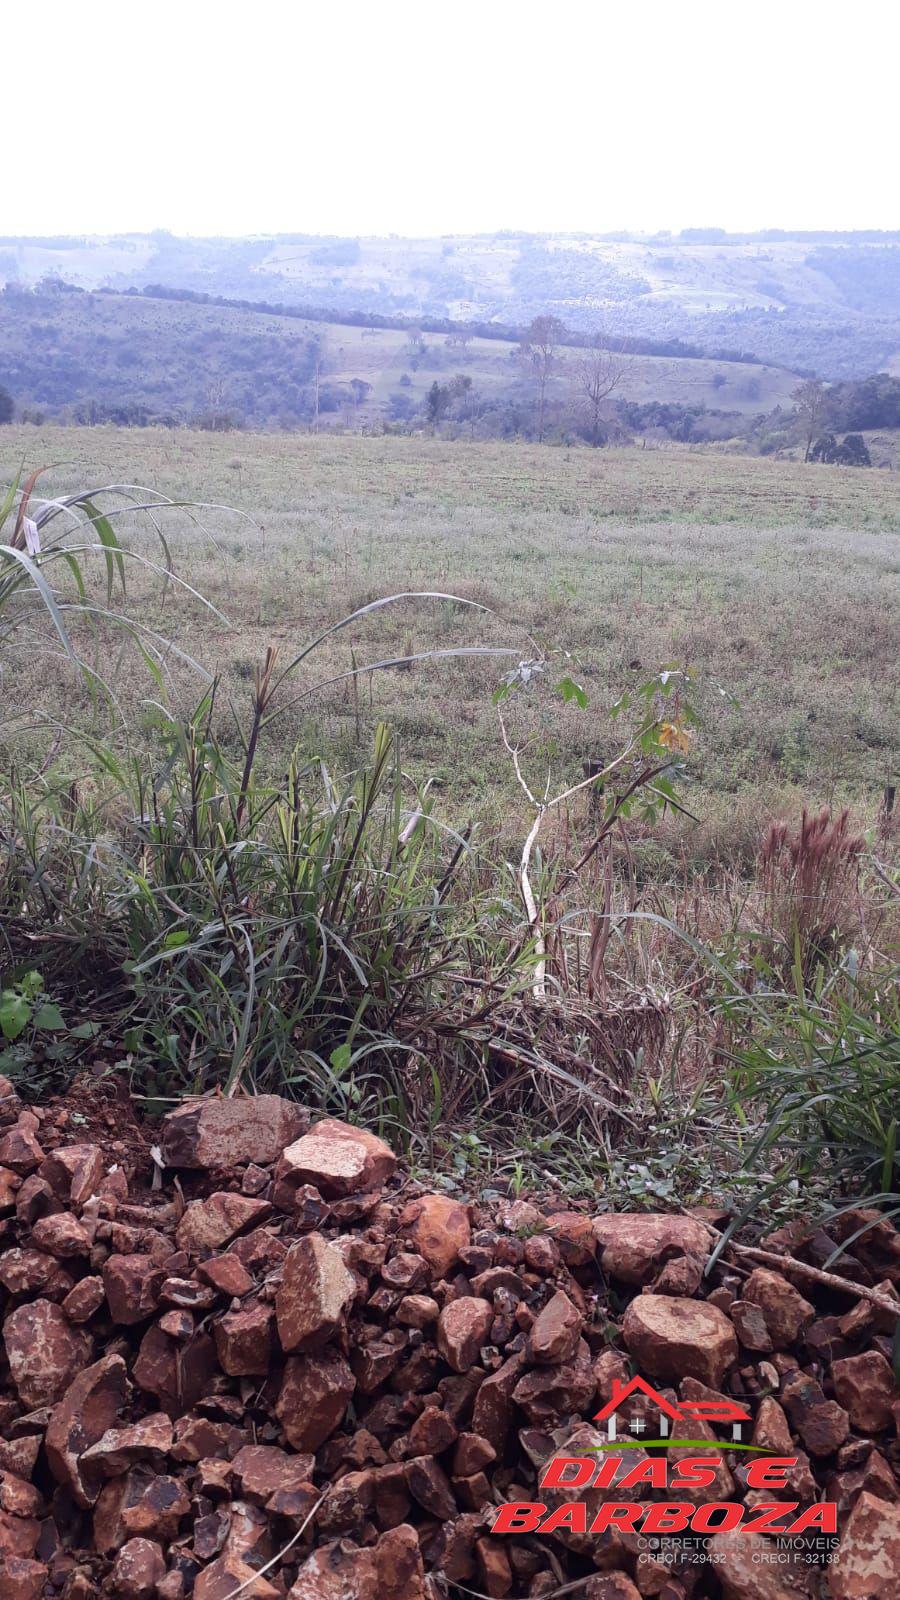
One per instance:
(777,584)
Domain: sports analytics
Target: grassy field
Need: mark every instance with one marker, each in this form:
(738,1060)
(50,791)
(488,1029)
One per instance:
(777,585)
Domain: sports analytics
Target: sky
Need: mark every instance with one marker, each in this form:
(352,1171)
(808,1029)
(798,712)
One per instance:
(395,117)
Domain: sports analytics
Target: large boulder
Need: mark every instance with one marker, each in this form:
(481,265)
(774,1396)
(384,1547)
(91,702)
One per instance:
(315,1391)
(315,1294)
(635,1247)
(673,1339)
(86,1413)
(44,1351)
(439,1228)
(222,1134)
(867,1563)
(338,1160)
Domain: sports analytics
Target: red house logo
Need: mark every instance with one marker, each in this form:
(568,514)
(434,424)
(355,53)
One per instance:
(670,1415)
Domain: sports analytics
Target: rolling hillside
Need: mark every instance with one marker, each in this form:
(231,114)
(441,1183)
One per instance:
(828,303)
(63,353)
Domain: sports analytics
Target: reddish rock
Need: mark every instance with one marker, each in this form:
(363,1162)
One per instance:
(463,1327)
(222,1134)
(770,1429)
(574,1236)
(244,1341)
(786,1312)
(119,1449)
(492,1412)
(672,1339)
(20,1455)
(153,1505)
(439,1228)
(29,1272)
(428,1483)
(84,1300)
(750,1326)
(61,1235)
(634,1246)
(132,1286)
(19,1498)
(18,1535)
(19,1148)
(339,1571)
(10,1184)
(549,1394)
(86,1412)
(139,1567)
(432,1433)
(315,1294)
(230,1576)
(472,1453)
(314,1395)
(864,1385)
(556,1331)
(208,1225)
(492,1567)
(227,1275)
(822,1424)
(744,1566)
(405,1271)
(617,1586)
(74,1172)
(187,1295)
(868,1559)
(44,1351)
(261,1471)
(417,1311)
(399,1572)
(21,1578)
(338,1160)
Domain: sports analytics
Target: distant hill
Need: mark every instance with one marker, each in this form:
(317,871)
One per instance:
(136,358)
(828,303)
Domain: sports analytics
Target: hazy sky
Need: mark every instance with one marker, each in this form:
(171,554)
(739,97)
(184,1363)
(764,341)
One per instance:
(417,118)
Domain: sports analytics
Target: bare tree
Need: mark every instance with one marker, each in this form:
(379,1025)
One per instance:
(318,354)
(539,347)
(597,376)
(811,400)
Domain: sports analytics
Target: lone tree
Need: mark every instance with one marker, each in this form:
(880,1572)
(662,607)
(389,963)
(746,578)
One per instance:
(597,376)
(7,406)
(539,347)
(437,402)
(811,400)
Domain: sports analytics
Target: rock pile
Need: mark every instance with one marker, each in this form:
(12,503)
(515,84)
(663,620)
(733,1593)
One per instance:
(288,1372)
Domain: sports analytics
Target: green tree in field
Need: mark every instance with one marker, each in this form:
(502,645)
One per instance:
(854,452)
(437,401)
(811,401)
(7,406)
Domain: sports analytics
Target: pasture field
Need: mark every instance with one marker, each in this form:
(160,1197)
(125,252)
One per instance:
(778,586)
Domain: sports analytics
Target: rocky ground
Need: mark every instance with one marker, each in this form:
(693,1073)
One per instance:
(267,1364)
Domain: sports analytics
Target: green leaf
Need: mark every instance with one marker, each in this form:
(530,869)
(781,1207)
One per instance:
(85,1030)
(14,1014)
(49,1018)
(570,690)
(340,1058)
(112,552)
(42,587)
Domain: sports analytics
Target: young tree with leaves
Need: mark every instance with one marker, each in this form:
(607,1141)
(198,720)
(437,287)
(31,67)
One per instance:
(811,401)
